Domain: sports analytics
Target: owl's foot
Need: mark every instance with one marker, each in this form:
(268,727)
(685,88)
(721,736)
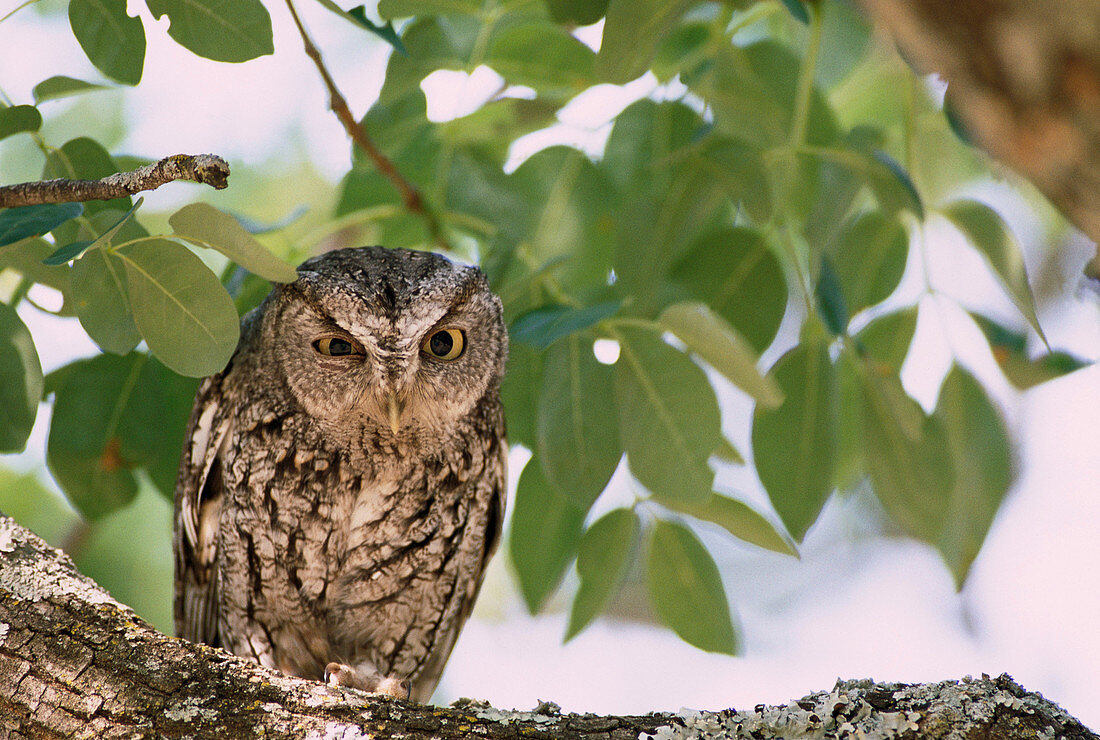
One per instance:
(341,674)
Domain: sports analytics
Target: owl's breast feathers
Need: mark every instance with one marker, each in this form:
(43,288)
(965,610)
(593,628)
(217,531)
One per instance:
(370,554)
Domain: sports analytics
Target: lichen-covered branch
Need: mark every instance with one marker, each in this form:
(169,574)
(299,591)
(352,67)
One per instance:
(74,663)
(410,196)
(208,169)
(1024,77)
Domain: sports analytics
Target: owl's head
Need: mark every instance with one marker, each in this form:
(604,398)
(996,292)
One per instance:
(391,340)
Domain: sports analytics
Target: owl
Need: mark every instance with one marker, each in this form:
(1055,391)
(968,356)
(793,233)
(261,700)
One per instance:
(341,487)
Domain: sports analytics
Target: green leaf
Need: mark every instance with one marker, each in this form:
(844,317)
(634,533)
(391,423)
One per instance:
(797,10)
(520,392)
(206,226)
(576,12)
(646,136)
(602,560)
(886,340)
(845,39)
(566,216)
(26,259)
(490,130)
(546,529)
(106,422)
(795,444)
(715,341)
(407,8)
(60,86)
(849,454)
(738,519)
(988,233)
(177,396)
(578,431)
(631,34)
(668,416)
(68,253)
(225,32)
(1010,351)
(21,381)
(893,187)
(385,32)
(728,453)
(907,457)
(686,590)
(257,227)
(358,16)
(736,274)
(831,305)
(562,66)
(180,307)
(982,456)
(868,255)
(752,90)
(19,119)
(25,499)
(113,40)
(102,302)
(739,170)
(545,325)
(74,250)
(23,222)
(683,51)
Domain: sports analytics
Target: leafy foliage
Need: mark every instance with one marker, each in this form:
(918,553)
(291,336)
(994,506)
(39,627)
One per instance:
(774,175)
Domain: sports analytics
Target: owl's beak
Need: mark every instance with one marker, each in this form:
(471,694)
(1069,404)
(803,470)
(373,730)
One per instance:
(395,407)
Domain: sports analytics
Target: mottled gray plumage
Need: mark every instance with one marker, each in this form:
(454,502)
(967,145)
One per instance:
(335,512)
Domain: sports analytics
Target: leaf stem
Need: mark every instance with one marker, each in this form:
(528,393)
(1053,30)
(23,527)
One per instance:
(799,123)
(17,8)
(410,196)
(804,91)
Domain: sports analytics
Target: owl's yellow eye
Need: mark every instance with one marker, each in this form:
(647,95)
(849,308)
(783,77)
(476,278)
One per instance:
(445,344)
(335,347)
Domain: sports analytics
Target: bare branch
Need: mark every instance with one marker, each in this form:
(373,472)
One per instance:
(410,196)
(208,169)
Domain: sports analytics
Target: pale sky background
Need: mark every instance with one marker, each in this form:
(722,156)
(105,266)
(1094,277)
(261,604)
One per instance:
(857,604)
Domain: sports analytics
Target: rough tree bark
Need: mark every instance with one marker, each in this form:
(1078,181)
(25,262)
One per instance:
(76,663)
(1024,77)
(208,169)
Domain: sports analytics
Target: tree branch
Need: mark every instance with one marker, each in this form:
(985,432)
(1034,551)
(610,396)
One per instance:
(410,196)
(1024,77)
(75,663)
(208,169)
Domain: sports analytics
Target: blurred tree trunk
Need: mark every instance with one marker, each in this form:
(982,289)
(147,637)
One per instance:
(76,663)
(1024,79)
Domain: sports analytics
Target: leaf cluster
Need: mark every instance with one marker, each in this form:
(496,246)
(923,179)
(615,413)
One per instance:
(770,179)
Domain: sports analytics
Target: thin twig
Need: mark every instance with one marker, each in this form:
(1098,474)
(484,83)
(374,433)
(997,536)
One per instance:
(208,169)
(358,134)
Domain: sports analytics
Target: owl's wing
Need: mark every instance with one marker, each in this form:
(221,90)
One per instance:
(494,482)
(199,495)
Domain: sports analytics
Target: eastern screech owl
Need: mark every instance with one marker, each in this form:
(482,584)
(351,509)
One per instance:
(342,482)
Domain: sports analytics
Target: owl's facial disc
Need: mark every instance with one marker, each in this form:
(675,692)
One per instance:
(388,342)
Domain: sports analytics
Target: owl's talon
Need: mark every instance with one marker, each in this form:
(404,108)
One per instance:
(393,686)
(341,674)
